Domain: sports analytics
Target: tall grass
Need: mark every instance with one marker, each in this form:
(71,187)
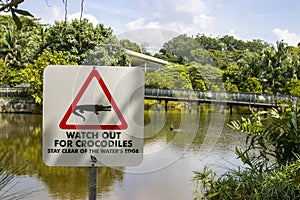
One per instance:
(246,184)
(8,179)
(271,158)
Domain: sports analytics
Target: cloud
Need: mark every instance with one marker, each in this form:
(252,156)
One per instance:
(57,13)
(234,34)
(90,17)
(140,23)
(191,17)
(51,14)
(191,6)
(135,24)
(203,22)
(286,36)
(154,37)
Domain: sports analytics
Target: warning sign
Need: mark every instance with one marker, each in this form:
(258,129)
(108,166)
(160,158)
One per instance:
(93,115)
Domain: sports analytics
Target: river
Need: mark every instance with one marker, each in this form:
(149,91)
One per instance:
(170,157)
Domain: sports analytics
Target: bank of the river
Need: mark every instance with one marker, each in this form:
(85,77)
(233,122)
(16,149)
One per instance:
(18,105)
(28,105)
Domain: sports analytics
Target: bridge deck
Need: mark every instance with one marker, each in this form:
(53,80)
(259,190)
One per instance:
(228,98)
(212,101)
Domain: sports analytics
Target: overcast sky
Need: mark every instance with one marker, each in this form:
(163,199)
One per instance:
(269,20)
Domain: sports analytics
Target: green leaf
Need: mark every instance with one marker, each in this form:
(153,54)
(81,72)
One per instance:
(211,195)
(23,12)
(16,19)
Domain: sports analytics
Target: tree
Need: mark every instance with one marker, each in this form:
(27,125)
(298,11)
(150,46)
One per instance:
(211,76)
(109,53)
(257,45)
(33,73)
(251,85)
(222,59)
(231,78)
(209,43)
(19,46)
(127,44)
(5,74)
(249,66)
(181,46)
(294,87)
(78,38)
(169,56)
(172,77)
(231,44)
(201,56)
(196,78)
(277,67)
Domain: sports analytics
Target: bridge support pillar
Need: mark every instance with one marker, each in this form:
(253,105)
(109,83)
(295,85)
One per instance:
(166,105)
(198,106)
(158,105)
(266,109)
(230,109)
(190,106)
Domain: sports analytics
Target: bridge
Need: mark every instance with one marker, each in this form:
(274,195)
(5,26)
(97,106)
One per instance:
(190,96)
(223,98)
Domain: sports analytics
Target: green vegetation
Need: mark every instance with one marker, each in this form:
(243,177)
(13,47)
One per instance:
(252,66)
(12,7)
(199,63)
(8,175)
(33,73)
(26,51)
(271,159)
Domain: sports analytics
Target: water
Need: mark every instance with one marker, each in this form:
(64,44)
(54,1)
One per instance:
(170,157)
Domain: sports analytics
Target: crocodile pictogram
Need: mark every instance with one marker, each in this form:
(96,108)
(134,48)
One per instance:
(95,108)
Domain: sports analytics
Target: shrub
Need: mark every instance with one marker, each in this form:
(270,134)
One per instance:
(8,175)
(272,160)
(247,184)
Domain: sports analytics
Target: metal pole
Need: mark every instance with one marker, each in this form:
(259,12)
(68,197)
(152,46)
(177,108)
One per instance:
(93,182)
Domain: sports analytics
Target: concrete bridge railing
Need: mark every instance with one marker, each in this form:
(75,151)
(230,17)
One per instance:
(16,98)
(271,99)
(14,92)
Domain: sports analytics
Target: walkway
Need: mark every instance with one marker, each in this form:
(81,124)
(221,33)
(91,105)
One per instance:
(225,98)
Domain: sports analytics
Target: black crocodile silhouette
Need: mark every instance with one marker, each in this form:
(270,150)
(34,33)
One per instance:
(95,108)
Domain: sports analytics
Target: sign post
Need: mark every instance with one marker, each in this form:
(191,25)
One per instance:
(93,116)
(93,182)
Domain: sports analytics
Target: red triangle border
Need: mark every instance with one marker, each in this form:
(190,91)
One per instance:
(94,74)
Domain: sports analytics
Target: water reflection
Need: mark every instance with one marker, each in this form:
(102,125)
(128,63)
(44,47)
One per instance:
(22,136)
(170,156)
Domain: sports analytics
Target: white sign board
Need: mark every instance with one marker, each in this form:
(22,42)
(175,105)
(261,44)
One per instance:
(93,115)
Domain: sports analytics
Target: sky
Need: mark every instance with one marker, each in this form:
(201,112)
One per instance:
(268,20)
